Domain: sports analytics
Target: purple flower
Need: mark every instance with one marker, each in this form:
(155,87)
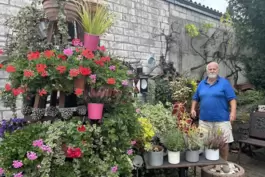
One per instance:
(130,152)
(124,83)
(37,143)
(17,164)
(114,169)
(18,174)
(2,171)
(112,68)
(93,77)
(32,155)
(68,52)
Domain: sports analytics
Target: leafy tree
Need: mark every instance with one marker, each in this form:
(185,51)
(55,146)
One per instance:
(248,17)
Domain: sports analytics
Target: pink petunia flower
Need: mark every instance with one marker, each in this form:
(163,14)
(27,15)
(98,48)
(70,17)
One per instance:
(17,164)
(18,174)
(2,171)
(46,148)
(32,155)
(112,68)
(37,143)
(133,142)
(125,83)
(114,169)
(38,166)
(130,152)
(138,110)
(68,52)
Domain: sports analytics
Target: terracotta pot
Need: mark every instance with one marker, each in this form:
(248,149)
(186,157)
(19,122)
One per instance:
(51,9)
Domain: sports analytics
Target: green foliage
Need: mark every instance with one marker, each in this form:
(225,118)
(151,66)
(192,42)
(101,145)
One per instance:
(25,33)
(192,30)
(248,18)
(96,21)
(173,140)
(162,91)
(15,146)
(8,100)
(160,117)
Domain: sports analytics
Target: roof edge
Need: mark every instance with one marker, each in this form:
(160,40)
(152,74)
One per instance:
(197,7)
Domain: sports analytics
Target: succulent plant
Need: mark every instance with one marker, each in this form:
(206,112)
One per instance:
(37,113)
(66,113)
(81,110)
(52,111)
(26,110)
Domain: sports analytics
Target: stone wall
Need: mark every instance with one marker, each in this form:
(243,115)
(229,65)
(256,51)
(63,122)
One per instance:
(135,34)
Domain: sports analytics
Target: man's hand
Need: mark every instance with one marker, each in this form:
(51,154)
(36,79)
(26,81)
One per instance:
(193,113)
(232,116)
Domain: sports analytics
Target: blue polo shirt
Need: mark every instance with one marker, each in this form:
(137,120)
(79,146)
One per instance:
(214,99)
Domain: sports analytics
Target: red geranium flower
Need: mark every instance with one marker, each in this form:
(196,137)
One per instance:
(28,73)
(76,42)
(84,71)
(1,52)
(99,62)
(33,55)
(81,128)
(41,68)
(74,152)
(7,87)
(42,92)
(104,59)
(48,53)
(44,74)
(88,54)
(111,81)
(79,91)
(16,92)
(10,69)
(102,48)
(1,66)
(74,72)
(61,69)
(62,56)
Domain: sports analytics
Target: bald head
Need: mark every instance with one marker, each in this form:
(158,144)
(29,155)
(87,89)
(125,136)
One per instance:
(212,70)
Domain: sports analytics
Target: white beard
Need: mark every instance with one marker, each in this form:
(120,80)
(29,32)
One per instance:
(212,76)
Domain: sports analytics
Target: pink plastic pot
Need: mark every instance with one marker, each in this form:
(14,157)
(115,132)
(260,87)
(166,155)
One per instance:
(91,41)
(95,111)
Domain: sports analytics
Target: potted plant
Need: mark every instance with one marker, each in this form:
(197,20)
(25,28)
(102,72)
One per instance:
(174,142)
(94,23)
(193,145)
(155,154)
(214,141)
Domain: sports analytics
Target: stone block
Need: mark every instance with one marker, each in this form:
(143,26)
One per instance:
(153,10)
(131,47)
(120,8)
(8,10)
(108,37)
(4,1)
(121,53)
(115,45)
(3,74)
(20,3)
(135,55)
(121,38)
(116,30)
(129,32)
(122,24)
(134,40)
(3,30)
(155,50)
(147,42)
(143,49)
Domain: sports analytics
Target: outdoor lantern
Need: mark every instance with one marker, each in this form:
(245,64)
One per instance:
(43,29)
(143,84)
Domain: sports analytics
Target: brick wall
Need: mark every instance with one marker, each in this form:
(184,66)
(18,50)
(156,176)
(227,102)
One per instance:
(133,34)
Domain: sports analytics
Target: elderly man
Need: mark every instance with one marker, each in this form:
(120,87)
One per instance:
(215,96)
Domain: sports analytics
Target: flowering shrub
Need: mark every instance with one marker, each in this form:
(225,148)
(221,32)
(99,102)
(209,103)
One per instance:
(8,126)
(43,72)
(69,148)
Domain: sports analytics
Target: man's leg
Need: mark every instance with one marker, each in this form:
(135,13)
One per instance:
(224,152)
(226,127)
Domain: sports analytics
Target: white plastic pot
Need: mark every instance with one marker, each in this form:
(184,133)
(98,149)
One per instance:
(173,157)
(212,154)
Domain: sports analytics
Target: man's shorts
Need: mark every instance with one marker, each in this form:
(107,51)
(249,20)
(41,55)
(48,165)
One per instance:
(225,126)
